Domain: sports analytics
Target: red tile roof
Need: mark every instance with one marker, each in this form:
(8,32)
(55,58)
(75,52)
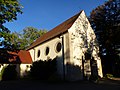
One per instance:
(58,30)
(25,57)
(18,57)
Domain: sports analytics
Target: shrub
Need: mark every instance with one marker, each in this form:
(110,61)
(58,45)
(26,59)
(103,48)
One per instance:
(9,73)
(43,69)
(109,76)
(1,73)
(94,78)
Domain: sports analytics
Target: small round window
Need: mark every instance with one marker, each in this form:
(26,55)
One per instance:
(38,54)
(47,51)
(58,47)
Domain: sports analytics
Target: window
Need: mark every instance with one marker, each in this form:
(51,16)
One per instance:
(47,51)
(58,47)
(38,54)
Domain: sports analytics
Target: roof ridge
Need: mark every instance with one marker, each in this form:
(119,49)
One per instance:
(59,29)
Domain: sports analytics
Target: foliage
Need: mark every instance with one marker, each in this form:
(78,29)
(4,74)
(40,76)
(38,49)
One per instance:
(4,56)
(15,40)
(10,41)
(29,35)
(94,79)
(9,9)
(43,69)
(8,12)
(109,76)
(105,20)
(9,73)
(1,73)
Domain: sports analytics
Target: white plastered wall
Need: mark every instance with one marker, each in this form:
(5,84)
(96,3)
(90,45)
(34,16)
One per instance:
(42,47)
(24,69)
(81,37)
(52,52)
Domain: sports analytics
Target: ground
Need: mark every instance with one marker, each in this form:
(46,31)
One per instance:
(37,85)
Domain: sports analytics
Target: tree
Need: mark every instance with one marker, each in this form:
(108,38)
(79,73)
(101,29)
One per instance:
(10,41)
(25,38)
(29,35)
(105,20)
(8,12)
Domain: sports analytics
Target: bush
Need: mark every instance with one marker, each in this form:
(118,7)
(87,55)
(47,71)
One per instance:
(109,76)
(1,73)
(9,73)
(43,69)
(94,78)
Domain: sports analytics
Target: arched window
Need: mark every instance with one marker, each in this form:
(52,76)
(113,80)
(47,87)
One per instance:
(58,47)
(38,53)
(47,51)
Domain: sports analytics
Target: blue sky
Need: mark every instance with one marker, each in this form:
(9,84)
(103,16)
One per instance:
(46,14)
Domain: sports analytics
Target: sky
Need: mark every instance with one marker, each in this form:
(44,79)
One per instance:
(47,14)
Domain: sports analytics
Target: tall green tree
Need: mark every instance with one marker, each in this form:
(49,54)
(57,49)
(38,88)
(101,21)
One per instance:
(8,12)
(10,41)
(25,38)
(9,9)
(105,20)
